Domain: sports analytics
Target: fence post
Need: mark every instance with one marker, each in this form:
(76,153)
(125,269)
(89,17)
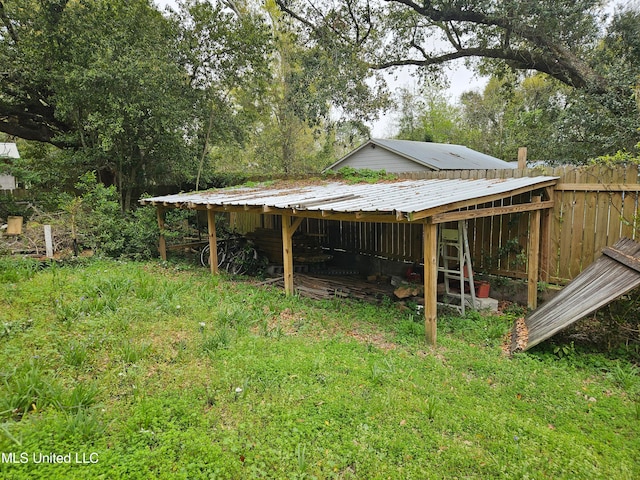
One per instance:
(48,241)
(213,241)
(533,259)
(522,158)
(162,243)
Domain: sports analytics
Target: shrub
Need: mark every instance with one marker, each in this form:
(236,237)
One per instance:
(107,230)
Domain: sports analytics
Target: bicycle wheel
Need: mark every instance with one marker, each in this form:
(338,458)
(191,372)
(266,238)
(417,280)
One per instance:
(204,256)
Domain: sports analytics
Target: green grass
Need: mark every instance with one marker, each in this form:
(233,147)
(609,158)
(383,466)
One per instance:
(162,371)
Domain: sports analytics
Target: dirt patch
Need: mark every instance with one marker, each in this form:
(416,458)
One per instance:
(378,339)
(517,339)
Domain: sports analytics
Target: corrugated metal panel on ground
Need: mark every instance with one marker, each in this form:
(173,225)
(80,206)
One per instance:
(609,277)
(406,197)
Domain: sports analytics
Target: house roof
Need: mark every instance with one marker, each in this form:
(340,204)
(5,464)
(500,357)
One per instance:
(9,150)
(395,201)
(436,156)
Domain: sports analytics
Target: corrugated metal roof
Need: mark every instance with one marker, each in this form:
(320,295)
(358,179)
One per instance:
(444,156)
(401,197)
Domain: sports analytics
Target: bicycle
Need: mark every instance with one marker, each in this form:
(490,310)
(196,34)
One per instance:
(235,255)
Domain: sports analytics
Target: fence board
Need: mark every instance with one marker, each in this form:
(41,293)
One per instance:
(578,231)
(630,206)
(588,246)
(615,209)
(602,215)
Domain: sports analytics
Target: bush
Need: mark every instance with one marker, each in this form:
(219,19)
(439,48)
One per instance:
(107,230)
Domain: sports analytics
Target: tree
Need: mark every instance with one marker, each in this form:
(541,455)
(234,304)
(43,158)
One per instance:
(134,95)
(548,37)
(225,50)
(99,78)
(428,117)
(563,40)
(523,110)
(28,54)
(311,110)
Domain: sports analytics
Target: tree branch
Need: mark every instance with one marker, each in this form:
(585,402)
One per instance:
(32,121)
(520,59)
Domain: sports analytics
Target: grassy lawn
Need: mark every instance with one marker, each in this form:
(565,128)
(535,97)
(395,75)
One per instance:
(149,370)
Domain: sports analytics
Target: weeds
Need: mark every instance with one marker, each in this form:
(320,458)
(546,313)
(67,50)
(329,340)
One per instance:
(81,397)
(220,339)
(131,352)
(625,375)
(66,312)
(431,408)
(27,389)
(564,351)
(301,457)
(81,423)
(8,329)
(378,374)
(73,353)
(4,428)
(14,271)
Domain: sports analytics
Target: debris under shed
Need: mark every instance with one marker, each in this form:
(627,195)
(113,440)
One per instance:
(324,287)
(612,275)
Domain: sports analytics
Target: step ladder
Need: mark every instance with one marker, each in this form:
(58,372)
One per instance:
(454,261)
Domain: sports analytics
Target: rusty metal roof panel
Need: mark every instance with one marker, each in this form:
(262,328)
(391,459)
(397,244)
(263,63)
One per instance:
(407,196)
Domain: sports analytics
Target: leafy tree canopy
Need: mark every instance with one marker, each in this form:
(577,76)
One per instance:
(573,42)
(129,92)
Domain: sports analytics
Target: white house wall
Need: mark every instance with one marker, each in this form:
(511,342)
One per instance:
(380,159)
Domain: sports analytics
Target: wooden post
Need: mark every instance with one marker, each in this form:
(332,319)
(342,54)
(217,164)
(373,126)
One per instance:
(48,241)
(288,229)
(522,158)
(430,249)
(545,244)
(213,241)
(162,243)
(533,257)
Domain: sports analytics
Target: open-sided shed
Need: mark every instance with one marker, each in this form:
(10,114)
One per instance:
(425,202)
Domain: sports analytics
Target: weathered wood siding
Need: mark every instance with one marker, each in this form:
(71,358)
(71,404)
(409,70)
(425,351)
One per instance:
(376,158)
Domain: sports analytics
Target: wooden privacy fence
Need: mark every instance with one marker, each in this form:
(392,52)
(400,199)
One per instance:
(594,207)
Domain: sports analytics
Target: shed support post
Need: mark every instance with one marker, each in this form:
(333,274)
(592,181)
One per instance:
(545,239)
(162,243)
(430,248)
(213,241)
(534,256)
(288,229)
